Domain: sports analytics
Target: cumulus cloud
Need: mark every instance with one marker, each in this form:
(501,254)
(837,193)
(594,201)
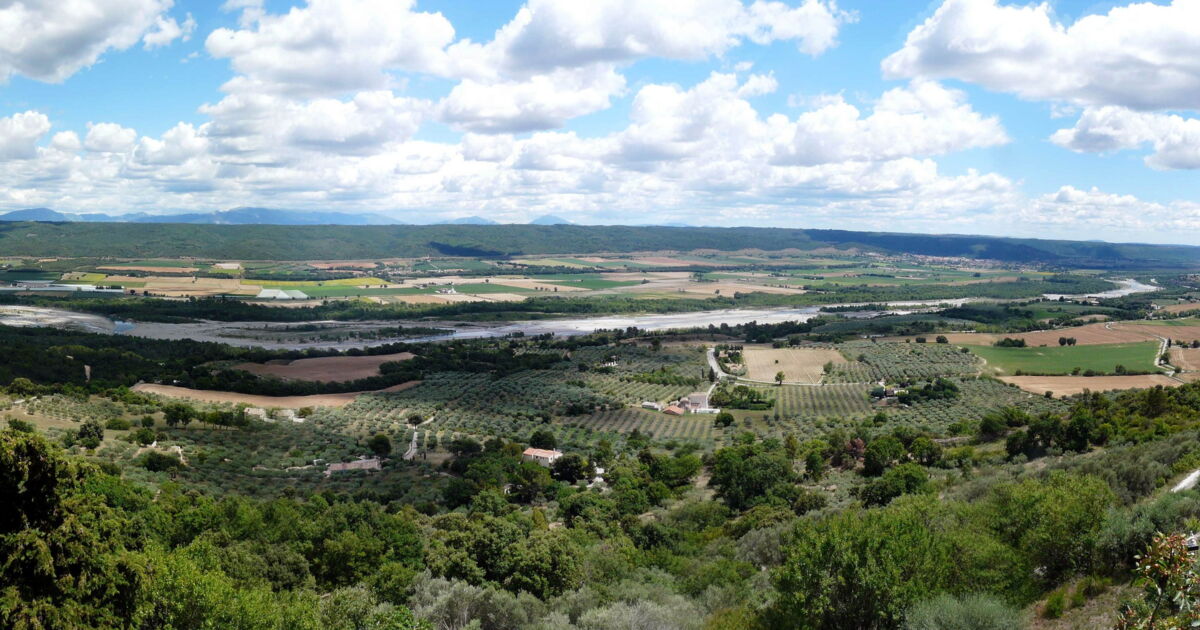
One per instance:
(544,101)
(924,118)
(1069,207)
(49,40)
(109,138)
(167,30)
(1142,56)
(20,133)
(547,34)
(1175,139)
(334,46)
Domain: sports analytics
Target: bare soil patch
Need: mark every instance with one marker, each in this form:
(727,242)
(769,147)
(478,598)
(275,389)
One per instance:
(667,261)
(283,402)
(799,365)
(1186,358)
(1179,333)
(348,264)
(150,269)
(526,283)
(1182,308)
(325,369)
(1069,385)
(1087,335)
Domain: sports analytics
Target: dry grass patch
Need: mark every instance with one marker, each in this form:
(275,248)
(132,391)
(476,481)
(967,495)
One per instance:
(1070,385)
(1181,308)
(1186,358)
(325,369)
(799,365)
(282,402)
(150,269)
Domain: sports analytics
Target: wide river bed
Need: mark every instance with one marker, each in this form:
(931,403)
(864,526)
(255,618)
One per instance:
(276,335)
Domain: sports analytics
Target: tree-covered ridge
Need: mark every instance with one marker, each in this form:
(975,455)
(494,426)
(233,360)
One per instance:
(287,242)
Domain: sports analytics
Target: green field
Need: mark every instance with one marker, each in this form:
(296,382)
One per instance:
(1063,360)
(1188,321)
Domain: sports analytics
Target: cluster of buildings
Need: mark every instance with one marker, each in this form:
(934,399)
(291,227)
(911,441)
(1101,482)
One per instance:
(695,402)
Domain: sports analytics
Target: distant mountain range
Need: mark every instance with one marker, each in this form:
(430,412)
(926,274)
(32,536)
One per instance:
(246,216)
(550,219)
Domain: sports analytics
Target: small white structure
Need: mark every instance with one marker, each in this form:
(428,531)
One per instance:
(230,266)
(448,291)
(541,456)
(695,402)
(281,294)
(259,413)
(288,414)
(652,405)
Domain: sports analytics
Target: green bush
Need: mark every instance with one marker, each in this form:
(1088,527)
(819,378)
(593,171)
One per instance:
(117,424)
(1056,604)
(970,612)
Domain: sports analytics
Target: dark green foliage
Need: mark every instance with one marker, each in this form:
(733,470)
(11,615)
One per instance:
(571,468)
(903,479)
(881,454)
(155,461)
(748,473)
(543,438)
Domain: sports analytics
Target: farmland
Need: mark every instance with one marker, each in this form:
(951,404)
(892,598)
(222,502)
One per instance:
(1101,359)
(288,402)
(325,369)
(799,365)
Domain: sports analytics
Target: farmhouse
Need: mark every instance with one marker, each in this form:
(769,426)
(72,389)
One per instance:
(652,405)
(696,402)
(673,410)
(541,456)
(362,464)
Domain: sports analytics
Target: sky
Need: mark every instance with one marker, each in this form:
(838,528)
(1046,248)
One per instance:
(1065,119)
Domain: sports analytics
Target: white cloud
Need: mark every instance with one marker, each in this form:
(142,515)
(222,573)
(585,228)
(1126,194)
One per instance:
(330,47)
(922,119)
(1175,139)
(49,40)
(544,101)
(109,138)
(1143,56)
(20,133)
(547,34)
(167,30)
(270,129)
(1070,207)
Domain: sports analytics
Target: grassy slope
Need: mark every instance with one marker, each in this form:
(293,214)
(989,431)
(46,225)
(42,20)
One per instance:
(1061,360)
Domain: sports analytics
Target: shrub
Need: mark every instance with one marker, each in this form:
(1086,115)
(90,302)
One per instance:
(1056,604)
(155,461)
(970,612)
(117,424)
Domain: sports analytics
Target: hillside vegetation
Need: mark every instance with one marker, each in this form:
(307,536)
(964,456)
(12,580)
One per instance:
(330,242)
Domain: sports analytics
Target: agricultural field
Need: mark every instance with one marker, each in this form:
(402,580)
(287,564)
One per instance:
(1186,359)
(1071,385)
(1061,360)
(799,365)
(325,369)
(893,362)
(283,402)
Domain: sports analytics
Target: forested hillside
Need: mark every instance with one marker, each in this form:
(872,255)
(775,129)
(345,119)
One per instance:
(326,242)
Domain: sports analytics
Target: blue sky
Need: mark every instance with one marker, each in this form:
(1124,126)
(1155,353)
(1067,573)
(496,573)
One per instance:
(1070,119)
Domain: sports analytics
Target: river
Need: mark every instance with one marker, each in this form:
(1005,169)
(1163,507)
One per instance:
(282,336)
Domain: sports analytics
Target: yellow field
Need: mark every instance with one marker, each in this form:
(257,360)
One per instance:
(799,365)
